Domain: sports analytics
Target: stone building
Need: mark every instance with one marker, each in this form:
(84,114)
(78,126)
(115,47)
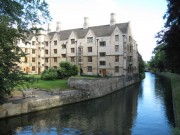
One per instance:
(106,49)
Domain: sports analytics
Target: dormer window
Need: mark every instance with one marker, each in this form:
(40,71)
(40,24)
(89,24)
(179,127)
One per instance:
(116,37)
(33,42)
(46,43)
(63,46)
(55,42)
(102,43)
(72,41)
(89,39)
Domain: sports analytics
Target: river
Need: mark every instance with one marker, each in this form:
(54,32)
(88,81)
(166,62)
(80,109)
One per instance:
(141,109)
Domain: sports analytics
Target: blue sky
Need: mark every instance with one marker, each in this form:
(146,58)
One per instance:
(145,17)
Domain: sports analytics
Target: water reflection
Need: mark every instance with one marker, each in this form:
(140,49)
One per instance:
(154,113)
(143,109)
(110,115)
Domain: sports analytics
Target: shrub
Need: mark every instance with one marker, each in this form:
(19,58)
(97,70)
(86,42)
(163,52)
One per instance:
(49,74)
(67,69)
(61,73)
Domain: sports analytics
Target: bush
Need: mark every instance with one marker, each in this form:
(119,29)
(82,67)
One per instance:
(49,74)
(61,73)
(67,69)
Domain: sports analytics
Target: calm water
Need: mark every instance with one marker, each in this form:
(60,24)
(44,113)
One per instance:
(143,109)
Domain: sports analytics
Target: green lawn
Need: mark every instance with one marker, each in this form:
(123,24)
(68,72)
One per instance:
(51,84)
(33,75)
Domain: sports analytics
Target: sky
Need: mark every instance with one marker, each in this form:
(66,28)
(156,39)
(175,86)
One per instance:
(145,16)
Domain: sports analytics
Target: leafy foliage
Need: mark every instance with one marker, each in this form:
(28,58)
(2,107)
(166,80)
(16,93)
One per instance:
(170,36)
(141,68)
(49,74)
(67,69)
(158,61)
(15,18)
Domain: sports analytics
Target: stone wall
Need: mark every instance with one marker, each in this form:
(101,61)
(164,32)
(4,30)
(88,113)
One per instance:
(84,89)
(94,88)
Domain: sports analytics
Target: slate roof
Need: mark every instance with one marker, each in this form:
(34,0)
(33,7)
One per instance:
(99,31)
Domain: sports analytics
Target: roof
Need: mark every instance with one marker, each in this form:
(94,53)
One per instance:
(99,31)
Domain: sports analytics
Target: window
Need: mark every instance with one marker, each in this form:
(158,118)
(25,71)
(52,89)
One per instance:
(102,63)
(72,41)
(55,51)
(130,58)
(25,59)
(131,48)
(55,42)
(63,55)
(80,50)
(116,37)
(116,58)
(55,59)
(63,46)
(33,59)
(89,49)
(116,69)
(102,54)
(80,59)
(89,58)
(33,51)
(33,68)
(33,42)
(46,43)
(116,48)
(46,60)
(72,50)
(46,51)
(26,50)
(102,43)
(72,59)
(130,69)
(89,39)
(55,67)
(89,69)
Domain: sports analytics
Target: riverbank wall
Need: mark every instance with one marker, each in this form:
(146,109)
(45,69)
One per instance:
(83,89)
(174,80)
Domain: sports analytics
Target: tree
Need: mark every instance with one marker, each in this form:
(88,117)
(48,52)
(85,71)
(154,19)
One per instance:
(170,36)
(15,18)
(141,67)
(158,61)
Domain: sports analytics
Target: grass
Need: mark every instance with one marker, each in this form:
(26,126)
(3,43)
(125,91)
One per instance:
(82,77)
(51,84)
(33,75)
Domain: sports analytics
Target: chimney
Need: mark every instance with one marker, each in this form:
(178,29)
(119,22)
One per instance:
(48,29)
(34,27)
(113,19)
(58,28)
(86,23)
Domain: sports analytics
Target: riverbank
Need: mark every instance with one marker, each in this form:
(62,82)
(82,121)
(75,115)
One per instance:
(83,89)
(175,86)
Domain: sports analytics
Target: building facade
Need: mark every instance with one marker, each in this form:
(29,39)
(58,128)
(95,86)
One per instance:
(105,50)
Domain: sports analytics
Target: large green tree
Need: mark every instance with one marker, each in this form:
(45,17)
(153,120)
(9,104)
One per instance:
(170,36)
(158,61)
(16,17)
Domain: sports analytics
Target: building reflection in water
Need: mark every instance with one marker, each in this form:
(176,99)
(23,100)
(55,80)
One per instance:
(109,115)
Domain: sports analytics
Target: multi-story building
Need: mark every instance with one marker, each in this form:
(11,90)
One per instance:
(105,50)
